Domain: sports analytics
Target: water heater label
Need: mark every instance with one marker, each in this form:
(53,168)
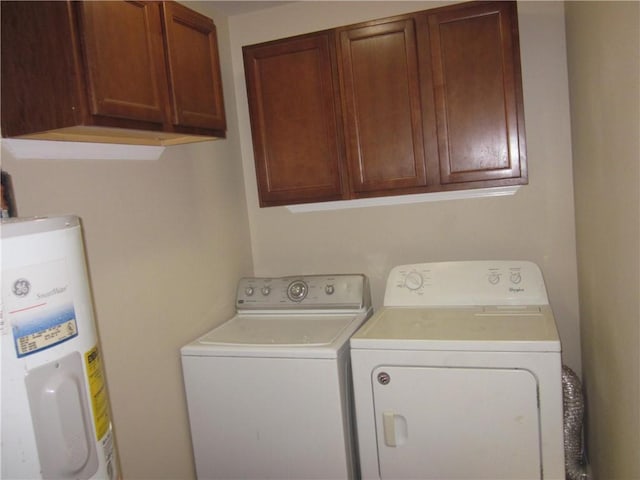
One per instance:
(38,304)
(98,389)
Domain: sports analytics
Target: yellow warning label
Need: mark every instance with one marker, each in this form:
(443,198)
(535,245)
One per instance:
(98,389)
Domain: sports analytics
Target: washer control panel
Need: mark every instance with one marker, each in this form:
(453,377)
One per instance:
(340,291)
(466,283)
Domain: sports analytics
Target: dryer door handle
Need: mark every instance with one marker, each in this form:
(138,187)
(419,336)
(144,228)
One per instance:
(395,429)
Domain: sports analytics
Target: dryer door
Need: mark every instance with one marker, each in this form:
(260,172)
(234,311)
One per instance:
(457,423)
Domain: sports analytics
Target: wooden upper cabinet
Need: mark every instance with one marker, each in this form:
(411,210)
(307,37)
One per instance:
(478,92)
(142,72)
(382,106)
(293,101)
(194,68)
(123,49)
(426,102)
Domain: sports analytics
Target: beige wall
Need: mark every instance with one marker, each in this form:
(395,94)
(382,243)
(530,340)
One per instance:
(167,240)
(536,224)
(603,40)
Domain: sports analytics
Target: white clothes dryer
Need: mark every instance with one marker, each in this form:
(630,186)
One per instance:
(458,376)
(268,391)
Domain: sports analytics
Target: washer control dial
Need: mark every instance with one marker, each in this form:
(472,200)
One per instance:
(297,290)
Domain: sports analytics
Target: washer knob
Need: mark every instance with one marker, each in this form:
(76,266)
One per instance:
(297,290)
(266,290)
(516,277)
(248,291)
(494,278)
(329,289)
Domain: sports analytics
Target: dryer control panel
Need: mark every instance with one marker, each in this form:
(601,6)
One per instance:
(340,291)
(466,283)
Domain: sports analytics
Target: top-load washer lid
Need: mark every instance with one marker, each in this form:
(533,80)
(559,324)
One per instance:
(304,316)
(482,328)
(273,335)
(291,330)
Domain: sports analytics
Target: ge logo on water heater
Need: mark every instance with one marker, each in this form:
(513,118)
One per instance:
(21,287)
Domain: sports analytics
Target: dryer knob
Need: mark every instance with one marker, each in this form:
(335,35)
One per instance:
(413,280)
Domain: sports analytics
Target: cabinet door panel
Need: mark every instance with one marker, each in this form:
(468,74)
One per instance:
(381,95)
(291,87)
(194,68)
(479,108)
(125,63)
(41,83)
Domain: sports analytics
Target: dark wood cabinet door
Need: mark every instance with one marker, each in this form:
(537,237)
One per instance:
(293,102)
(382,106)
(194,68)
(123,50)
(478,94)
(41,80)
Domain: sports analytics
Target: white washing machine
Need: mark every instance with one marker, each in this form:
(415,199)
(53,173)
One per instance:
(458,376)
(268,391)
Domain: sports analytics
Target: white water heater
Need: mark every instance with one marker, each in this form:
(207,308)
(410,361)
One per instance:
(55,420)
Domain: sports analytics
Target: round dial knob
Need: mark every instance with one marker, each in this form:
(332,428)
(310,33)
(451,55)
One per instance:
(266,290)
(329,289)
(297,290)
(516,277)
(494,278)
(248,291)
(413,280)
